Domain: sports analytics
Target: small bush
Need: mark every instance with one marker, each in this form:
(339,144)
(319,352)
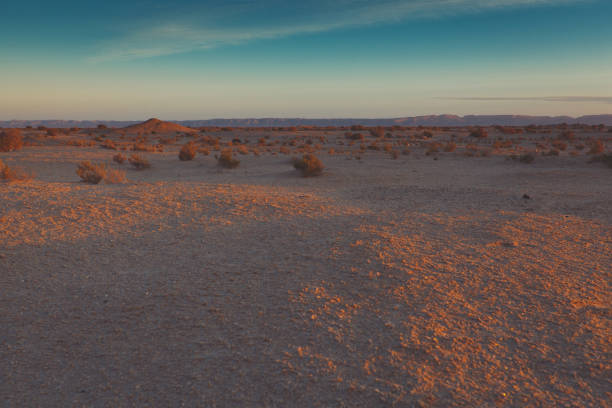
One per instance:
(227,160)
(12,174)
(91,173)
(119,158)
(109,144)
(139,162)
(597,147)
(115,176)
(10,140)
(450,147)
(527,158)
(309,165)
(188,152)
(480,133)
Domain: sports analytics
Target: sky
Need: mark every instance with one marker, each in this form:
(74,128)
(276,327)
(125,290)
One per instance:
(85,59)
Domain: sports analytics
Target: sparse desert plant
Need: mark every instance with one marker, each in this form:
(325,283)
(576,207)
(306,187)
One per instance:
(527,158)
(119,158)
(227,160)
(80,143)
(204,151)
(91,173)
(450,147)
(567,135)
(309,165)
(10,174)
(139,162)
(115,176)
(109,144)
(433,147)
(480,133)
(597,147)
(10,140)
(242,149)
(559,145)
(188,152)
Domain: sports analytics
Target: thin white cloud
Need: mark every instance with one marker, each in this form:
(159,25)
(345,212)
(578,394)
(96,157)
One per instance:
(180,35)
(592,99)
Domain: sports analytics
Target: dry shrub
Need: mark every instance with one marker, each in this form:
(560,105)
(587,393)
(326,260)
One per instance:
(597,147)
(284,150)
(13,174)
(139,162)
(432,148)
(119,158)
(559,145)
(204,151)
(527,158)
(80,143)
(10,140)
(141,147)
(91,173)
(227,160)
(394,154)
(309,165)
(188,152)
(242,149)
(450,147)
(109,144)
(567,135)
(115,176)
(480,133)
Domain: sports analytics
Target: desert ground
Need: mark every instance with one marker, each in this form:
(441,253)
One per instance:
(423,267)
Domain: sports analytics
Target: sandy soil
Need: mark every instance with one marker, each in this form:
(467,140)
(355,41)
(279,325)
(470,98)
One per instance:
(407,282)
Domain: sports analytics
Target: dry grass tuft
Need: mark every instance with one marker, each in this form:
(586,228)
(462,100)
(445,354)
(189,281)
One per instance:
(139,162)
(91,173)
(188,152)
(119,158)
(115,176)
(227,160)
(13,174)
(10,140)
(309,165)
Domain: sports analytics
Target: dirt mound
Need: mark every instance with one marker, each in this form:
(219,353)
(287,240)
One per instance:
(157,126)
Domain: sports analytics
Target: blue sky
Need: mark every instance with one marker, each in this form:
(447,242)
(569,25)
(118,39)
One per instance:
(312,58)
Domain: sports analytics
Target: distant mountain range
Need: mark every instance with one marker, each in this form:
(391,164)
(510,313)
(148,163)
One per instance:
(432,120)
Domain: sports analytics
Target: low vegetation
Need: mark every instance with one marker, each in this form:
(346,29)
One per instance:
(10,140)
(95,173)
(11,174)
(119,158)
(139,162)
(227,160)
(188,152)
(309,165)
(91,173)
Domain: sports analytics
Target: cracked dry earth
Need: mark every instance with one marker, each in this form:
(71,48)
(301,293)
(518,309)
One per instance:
(413,283)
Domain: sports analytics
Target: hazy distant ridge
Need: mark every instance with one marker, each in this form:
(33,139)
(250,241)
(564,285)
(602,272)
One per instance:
(433,120)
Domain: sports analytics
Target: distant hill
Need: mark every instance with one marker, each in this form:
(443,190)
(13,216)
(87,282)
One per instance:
(432,120)
(158,126)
